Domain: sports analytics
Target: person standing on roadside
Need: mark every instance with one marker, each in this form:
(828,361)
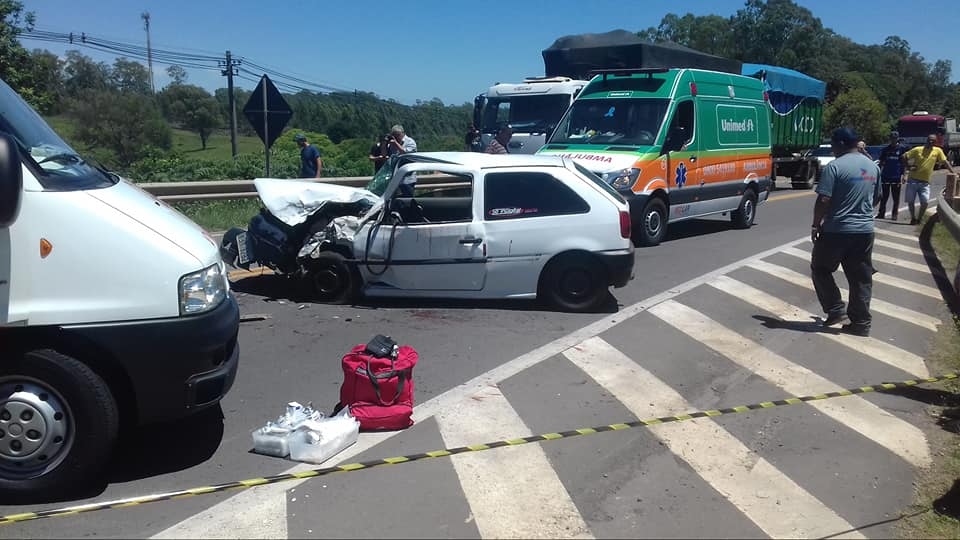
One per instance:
(499,144)
(400,143)
(842,233)
(378,155)
(925,158)
(891,175)
(311,164)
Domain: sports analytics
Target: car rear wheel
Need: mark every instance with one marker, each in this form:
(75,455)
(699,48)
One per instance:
(652,228)
(58,424)
(574,283)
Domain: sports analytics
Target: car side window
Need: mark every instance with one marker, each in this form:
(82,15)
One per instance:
(441,197)
(681,128)
(516,195)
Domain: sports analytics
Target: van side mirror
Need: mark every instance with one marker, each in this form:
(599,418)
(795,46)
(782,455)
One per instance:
(11,180)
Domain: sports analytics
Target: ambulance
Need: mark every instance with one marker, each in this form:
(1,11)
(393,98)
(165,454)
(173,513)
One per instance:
(678,144)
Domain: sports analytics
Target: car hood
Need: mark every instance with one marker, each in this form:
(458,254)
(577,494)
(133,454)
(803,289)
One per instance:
(292,201)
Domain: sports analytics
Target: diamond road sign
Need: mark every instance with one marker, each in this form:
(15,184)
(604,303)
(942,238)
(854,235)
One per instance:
(267,111)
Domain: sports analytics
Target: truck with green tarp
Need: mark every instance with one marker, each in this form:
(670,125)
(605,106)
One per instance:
(796,112)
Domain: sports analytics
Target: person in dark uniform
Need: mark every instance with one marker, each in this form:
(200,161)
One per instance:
(892,175)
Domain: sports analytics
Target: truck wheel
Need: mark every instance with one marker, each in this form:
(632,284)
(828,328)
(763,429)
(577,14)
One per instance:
(742,217)
(652,228)
(573,283)
(330,279)
(58,424)
(799,182)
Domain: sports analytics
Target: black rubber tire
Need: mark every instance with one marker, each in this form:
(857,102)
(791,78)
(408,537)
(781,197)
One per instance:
(652,225)
(228,247)
(330,279)
(91,416)
(743,216)
(574,283)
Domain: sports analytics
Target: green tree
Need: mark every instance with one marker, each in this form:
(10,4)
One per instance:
(82,74)
(130,76)
(860,109)
(119,128)
(193,108)
(14,58)
(46,81)
(709,33)
(177,74)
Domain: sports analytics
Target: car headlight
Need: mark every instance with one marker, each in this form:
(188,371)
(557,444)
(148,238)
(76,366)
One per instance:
(622,179)
(202,291)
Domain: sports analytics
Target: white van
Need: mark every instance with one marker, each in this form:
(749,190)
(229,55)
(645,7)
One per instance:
(114,309)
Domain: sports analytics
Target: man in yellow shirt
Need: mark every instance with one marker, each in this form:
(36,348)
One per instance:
(924,159)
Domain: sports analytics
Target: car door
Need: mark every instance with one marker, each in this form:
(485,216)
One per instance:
(5,260)
(683,167)
(429,242)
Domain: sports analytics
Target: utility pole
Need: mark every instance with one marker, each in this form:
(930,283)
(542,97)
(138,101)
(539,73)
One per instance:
(146,26)
(229,71)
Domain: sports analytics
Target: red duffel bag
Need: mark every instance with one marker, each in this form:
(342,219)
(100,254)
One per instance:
(379,389)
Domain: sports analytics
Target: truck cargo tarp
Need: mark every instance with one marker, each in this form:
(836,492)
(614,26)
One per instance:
(786,87)
(577,55)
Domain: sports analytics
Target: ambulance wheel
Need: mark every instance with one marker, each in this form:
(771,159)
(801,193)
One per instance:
(742,217)
(330,279)
(652,227)
(58,425)
(573,282)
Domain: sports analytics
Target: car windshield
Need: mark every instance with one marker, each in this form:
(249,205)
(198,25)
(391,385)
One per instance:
(626,121)
(524,113)
(60,168)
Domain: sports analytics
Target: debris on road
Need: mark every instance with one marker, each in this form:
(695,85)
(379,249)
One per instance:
(256,317)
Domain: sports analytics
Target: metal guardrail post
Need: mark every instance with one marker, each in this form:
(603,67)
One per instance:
(947,213)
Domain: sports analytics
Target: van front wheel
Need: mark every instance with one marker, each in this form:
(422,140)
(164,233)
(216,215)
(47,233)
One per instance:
(652,228)
(743,216)
(58,425)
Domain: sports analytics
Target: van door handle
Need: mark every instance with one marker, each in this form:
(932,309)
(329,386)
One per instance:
(469,241)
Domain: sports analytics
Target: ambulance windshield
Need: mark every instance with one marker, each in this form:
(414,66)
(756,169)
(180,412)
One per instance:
(626,121)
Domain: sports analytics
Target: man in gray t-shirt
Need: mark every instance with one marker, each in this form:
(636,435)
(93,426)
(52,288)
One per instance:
(842,232)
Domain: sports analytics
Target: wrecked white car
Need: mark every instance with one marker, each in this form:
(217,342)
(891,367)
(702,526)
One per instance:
(512,226)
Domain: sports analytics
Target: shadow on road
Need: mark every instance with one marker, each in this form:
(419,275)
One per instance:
(273,287)
(148,451)
(814,326)
(949,503)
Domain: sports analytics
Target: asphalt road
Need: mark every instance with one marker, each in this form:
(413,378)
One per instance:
(530,377)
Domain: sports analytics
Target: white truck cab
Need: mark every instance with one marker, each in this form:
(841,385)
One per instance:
(531,108)
(114,309)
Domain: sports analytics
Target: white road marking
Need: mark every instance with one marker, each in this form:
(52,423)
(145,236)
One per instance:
(880,306)
(249,524)
(880,277)
(858,414)
(879,350)
(893,234)
(770,499)
(897,246)
(513,492)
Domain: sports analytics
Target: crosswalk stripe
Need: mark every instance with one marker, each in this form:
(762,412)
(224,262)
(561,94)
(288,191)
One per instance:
(513,492)
(876,304)
(880,277)
(864,417)
(879,350)
(893,234)
(897,246)
(773,501)
(886,259)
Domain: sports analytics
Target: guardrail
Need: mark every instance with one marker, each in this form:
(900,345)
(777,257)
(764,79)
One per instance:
(244,189)
(947,211)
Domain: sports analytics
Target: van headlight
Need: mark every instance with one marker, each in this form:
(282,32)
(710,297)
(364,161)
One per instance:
(622,179)
(202,291)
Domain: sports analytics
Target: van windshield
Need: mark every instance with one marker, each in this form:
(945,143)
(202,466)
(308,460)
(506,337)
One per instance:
(60,168)
(621,121)
(525,114)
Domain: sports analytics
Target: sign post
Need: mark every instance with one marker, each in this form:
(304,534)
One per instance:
(268,113)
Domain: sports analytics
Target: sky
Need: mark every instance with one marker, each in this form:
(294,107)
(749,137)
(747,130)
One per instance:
(425,49)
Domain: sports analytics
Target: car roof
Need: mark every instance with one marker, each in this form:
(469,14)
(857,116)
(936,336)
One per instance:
(483,161)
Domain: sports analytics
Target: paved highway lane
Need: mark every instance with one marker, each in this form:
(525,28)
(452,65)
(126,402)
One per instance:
(294,355)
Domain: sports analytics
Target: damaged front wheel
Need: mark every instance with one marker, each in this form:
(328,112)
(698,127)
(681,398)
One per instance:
(331,279)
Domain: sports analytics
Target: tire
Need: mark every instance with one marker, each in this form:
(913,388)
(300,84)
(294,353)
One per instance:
(799,182)
(228,247)
(652,226)
(330,279)
(743,216)
(59,423)
(574,283)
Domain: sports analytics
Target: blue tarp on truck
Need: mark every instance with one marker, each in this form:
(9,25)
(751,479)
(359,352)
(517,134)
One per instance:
(796,101)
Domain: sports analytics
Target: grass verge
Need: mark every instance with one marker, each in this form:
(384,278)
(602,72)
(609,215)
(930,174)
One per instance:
(215,216)
(939,486)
